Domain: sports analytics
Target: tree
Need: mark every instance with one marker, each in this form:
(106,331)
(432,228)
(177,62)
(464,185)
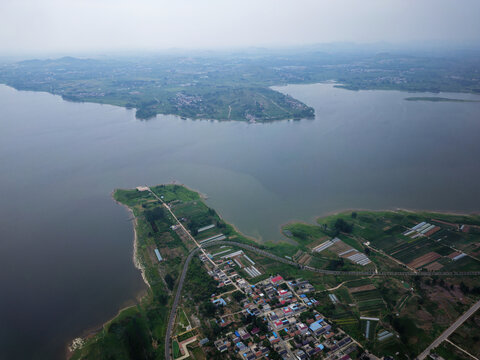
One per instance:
(335,264)
(343,226)
(464,288)
(209,309)
(238,296)
(170,281)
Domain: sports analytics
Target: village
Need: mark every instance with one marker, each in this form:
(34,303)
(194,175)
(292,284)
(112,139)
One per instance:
(347,288)
(273,314)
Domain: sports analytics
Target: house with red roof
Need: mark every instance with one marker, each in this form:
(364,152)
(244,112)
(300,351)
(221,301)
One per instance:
(275,280)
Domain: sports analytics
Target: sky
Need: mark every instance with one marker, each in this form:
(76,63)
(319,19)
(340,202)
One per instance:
(42,26)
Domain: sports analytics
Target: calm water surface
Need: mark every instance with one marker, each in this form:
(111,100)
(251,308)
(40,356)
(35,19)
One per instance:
(66,247)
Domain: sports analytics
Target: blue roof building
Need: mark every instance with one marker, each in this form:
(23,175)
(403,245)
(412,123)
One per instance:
(316,325)
(219,301)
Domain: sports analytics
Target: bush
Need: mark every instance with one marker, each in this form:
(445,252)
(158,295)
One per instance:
(343,226)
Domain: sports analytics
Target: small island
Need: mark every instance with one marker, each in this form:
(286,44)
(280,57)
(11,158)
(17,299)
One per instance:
(388,282)
(438,99)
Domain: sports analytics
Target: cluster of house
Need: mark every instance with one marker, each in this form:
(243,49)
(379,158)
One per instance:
(241,341)
(291,327)
(226,268)
(183,99)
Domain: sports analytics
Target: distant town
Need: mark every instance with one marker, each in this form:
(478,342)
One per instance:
(232,87)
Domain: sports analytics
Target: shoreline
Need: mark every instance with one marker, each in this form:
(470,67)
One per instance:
(89,333)
(78,342)
(136,262)
(344,210)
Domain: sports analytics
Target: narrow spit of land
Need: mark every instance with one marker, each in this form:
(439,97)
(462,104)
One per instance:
(346,258)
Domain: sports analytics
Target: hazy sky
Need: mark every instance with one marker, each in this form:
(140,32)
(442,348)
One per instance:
(105,25)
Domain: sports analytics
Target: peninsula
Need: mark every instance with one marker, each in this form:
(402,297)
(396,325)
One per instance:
(356,283)
(228,86)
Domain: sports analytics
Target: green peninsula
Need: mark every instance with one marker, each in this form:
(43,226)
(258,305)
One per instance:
(238,85)
(388,282)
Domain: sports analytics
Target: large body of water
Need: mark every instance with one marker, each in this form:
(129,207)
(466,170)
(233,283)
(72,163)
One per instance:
(66,247)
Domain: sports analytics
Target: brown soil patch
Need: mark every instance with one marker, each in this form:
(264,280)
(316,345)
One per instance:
(433,231)
(339,247)
(318,242)
(434,266)
(304,259)
(424,259)
(362,288)
(151,254)
(452,255)
(297,254)
(445,223)
(168,253)
(424,319)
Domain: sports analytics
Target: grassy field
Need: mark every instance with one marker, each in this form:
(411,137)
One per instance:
(176,349)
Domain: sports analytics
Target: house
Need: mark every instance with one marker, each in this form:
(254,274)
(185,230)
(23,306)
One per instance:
(276,280)
(302,328)
(243,334)
(219,302)
(255,331)
(221,345)
(241,346)
(300,355)
(317,327)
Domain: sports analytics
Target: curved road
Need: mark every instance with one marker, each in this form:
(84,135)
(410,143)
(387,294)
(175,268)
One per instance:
(173,311)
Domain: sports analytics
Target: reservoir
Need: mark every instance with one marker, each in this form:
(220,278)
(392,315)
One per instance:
(66,246)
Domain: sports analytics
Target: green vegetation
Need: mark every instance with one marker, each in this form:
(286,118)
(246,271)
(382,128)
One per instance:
(238,87)
(176,349)
(448,351)
(467,335)
(154,231)
(425,305)
(131,334)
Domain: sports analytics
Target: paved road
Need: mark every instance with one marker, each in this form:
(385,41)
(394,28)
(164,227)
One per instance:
(450,330)
(173,311)
(340,272)
(180,224)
